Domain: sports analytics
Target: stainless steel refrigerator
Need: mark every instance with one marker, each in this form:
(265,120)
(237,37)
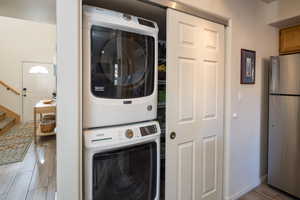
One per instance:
(284,124)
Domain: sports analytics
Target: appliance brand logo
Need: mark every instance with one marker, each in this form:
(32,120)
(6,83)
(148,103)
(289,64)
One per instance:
(99,88)
(100,135)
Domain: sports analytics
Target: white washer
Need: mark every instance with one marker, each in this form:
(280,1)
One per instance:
(122,162)
(119,68)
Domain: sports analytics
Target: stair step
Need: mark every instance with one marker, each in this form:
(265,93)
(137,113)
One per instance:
(6,122)
(2,115)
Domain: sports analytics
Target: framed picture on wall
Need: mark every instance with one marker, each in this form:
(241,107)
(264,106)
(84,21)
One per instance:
(248,59)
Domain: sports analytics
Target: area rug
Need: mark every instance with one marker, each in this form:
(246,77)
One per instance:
(15,143)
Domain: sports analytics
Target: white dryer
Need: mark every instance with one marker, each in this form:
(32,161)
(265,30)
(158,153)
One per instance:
(122,162)
(119,68)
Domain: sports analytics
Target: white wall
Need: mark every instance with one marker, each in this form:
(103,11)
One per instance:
(32,10)
(282,10)
(22,41)
(246,135)
(69,142)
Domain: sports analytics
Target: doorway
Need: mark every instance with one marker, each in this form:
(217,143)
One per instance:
(28,160)
(38,83)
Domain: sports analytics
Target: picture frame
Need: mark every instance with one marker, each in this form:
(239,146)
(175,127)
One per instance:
(248,62)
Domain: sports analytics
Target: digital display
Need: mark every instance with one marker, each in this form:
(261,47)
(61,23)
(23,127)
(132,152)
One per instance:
(148,130)
(146,23)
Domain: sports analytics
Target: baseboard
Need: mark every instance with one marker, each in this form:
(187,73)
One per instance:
(247,189)
(263,179)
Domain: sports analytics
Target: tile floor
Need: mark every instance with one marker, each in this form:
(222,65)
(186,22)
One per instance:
(265,192)
(35,177)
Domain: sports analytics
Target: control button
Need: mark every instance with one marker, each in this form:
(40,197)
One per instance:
(129,134)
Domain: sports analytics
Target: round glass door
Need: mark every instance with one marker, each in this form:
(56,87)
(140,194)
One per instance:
(133,63)
(122,64)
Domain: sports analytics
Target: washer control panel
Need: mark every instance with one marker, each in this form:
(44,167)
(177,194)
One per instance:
(120,134)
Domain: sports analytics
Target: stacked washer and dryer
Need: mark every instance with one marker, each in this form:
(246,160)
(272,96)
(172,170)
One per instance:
(121,138)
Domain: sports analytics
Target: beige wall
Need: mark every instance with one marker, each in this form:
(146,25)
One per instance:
(246,135)
(22,41)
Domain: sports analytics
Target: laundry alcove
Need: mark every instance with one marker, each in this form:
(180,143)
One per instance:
(190,99)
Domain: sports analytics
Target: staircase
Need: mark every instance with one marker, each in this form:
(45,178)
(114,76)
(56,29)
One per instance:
(8,119)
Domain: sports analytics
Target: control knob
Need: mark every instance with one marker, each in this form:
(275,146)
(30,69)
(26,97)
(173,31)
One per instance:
(129,134)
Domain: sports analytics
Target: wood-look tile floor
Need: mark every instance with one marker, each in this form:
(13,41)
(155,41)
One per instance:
(265,192)
(35,177)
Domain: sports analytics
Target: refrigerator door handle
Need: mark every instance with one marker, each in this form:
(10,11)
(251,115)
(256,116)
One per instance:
(273,125)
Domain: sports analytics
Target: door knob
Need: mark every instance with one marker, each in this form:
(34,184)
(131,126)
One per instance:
(173,135)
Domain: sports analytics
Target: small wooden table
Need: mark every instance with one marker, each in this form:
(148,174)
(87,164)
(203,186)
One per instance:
(41,108)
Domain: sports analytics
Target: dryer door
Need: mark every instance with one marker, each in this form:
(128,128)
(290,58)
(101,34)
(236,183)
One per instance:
(127,174)
(122,63)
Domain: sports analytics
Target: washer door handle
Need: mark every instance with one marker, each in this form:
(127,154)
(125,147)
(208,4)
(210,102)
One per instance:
(173,135)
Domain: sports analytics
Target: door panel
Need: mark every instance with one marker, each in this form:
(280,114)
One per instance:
(209,169)
(276,142)
(284,75)
(186,94)
(211,39)
(195,91)
(212,104)
(187,34)
(284,143)
(290,40)
(185,170)
(209,89)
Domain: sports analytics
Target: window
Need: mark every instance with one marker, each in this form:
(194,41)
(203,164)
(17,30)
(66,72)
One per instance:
(38,70)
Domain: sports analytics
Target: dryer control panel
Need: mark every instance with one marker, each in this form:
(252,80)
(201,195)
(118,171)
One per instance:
(120,134)
(148,130)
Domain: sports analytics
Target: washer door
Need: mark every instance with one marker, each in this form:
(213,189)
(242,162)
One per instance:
(122,63)
(127,174)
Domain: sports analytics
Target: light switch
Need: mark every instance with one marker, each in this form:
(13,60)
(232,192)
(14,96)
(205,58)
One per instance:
(240,96)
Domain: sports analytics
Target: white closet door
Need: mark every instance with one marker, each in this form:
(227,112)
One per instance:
(195,98)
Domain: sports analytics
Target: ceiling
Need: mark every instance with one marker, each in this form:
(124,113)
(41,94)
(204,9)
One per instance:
(44,10)
(35,10)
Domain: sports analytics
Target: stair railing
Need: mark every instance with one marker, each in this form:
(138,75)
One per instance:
(10,88)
